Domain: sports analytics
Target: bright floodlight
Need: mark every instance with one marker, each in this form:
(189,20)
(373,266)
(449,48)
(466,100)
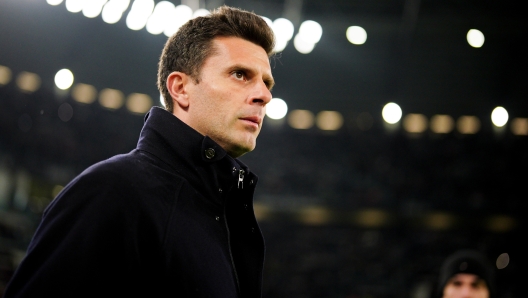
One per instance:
(283,30)
(356,35)
(276,108)
(92,9)
(54,2)
(310,31)
(303,46)
(113,10)
(64,79)
(391,113)
(475,38)
(179,16)
(139,13)
(499,116)
(74,5)
(160,17)
(202,12)
(280,45)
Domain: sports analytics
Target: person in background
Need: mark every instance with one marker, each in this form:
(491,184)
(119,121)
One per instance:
(466,274)
(174,217)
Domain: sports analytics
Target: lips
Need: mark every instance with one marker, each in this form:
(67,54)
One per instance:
(255,119)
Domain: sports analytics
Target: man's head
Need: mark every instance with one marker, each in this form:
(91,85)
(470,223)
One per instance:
(215,76)
(466,274)
(187,49)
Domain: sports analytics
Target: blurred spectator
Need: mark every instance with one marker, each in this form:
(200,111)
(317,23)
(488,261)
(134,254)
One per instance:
(466,274)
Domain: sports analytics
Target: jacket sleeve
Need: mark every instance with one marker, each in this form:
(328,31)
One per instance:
(88,241)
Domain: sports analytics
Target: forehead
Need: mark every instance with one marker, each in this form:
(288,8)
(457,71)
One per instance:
(466,277)
(238,50)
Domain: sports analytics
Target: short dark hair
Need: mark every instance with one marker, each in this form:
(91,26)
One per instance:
(187,49)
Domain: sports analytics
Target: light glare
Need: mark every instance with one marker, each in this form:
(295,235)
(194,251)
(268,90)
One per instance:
(280,45)
(5,75)
(28,82)
(139,14)
(180,15)
(442,123)
(93,8)
(415,123)
(468,124)
(302,46)
(113,10)
(138,103)
(75,6)
(391,113)
(202,12)
(329,120)
(356,35)
(161,16)
(499,116)
(475,38)
(276,108)
(301,119)
(54,2)
(111,98)
(64,79)
(283,29)
(310,31)
(84,93)
(519,126)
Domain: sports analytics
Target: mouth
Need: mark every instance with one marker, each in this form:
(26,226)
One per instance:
(253,120)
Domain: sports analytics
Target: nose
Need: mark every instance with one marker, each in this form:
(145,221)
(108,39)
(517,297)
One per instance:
(261,94)
(466,292)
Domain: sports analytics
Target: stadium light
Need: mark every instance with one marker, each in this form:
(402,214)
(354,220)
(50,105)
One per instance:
(391,113)
(276,108)
(64,79)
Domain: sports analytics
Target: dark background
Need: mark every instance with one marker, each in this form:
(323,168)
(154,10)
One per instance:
(317,190)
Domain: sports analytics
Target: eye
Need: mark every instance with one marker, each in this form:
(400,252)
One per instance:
(239,75)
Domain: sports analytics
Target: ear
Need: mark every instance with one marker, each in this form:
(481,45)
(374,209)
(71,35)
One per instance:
(176,85)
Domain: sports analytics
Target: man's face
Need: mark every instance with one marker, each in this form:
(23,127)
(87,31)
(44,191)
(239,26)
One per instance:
(228,104)
(464,285)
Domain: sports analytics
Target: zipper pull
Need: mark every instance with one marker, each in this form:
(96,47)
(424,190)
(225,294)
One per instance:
(241,179)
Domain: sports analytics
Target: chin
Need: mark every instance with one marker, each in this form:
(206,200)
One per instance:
(241,150)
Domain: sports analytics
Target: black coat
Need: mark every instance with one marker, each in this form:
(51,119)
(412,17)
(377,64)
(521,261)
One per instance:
(174,217)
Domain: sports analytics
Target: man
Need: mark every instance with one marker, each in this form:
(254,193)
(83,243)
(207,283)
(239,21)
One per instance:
(174,217)
(466,274)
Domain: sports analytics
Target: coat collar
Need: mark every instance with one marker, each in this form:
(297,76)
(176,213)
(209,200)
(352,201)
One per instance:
(179,145)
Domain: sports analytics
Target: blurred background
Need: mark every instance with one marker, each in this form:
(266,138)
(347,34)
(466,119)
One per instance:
(398,132)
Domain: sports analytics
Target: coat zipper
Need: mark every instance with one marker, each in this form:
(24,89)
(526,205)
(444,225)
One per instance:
(241,179)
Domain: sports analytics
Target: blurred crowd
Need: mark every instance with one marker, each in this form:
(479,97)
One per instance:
(469,176)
